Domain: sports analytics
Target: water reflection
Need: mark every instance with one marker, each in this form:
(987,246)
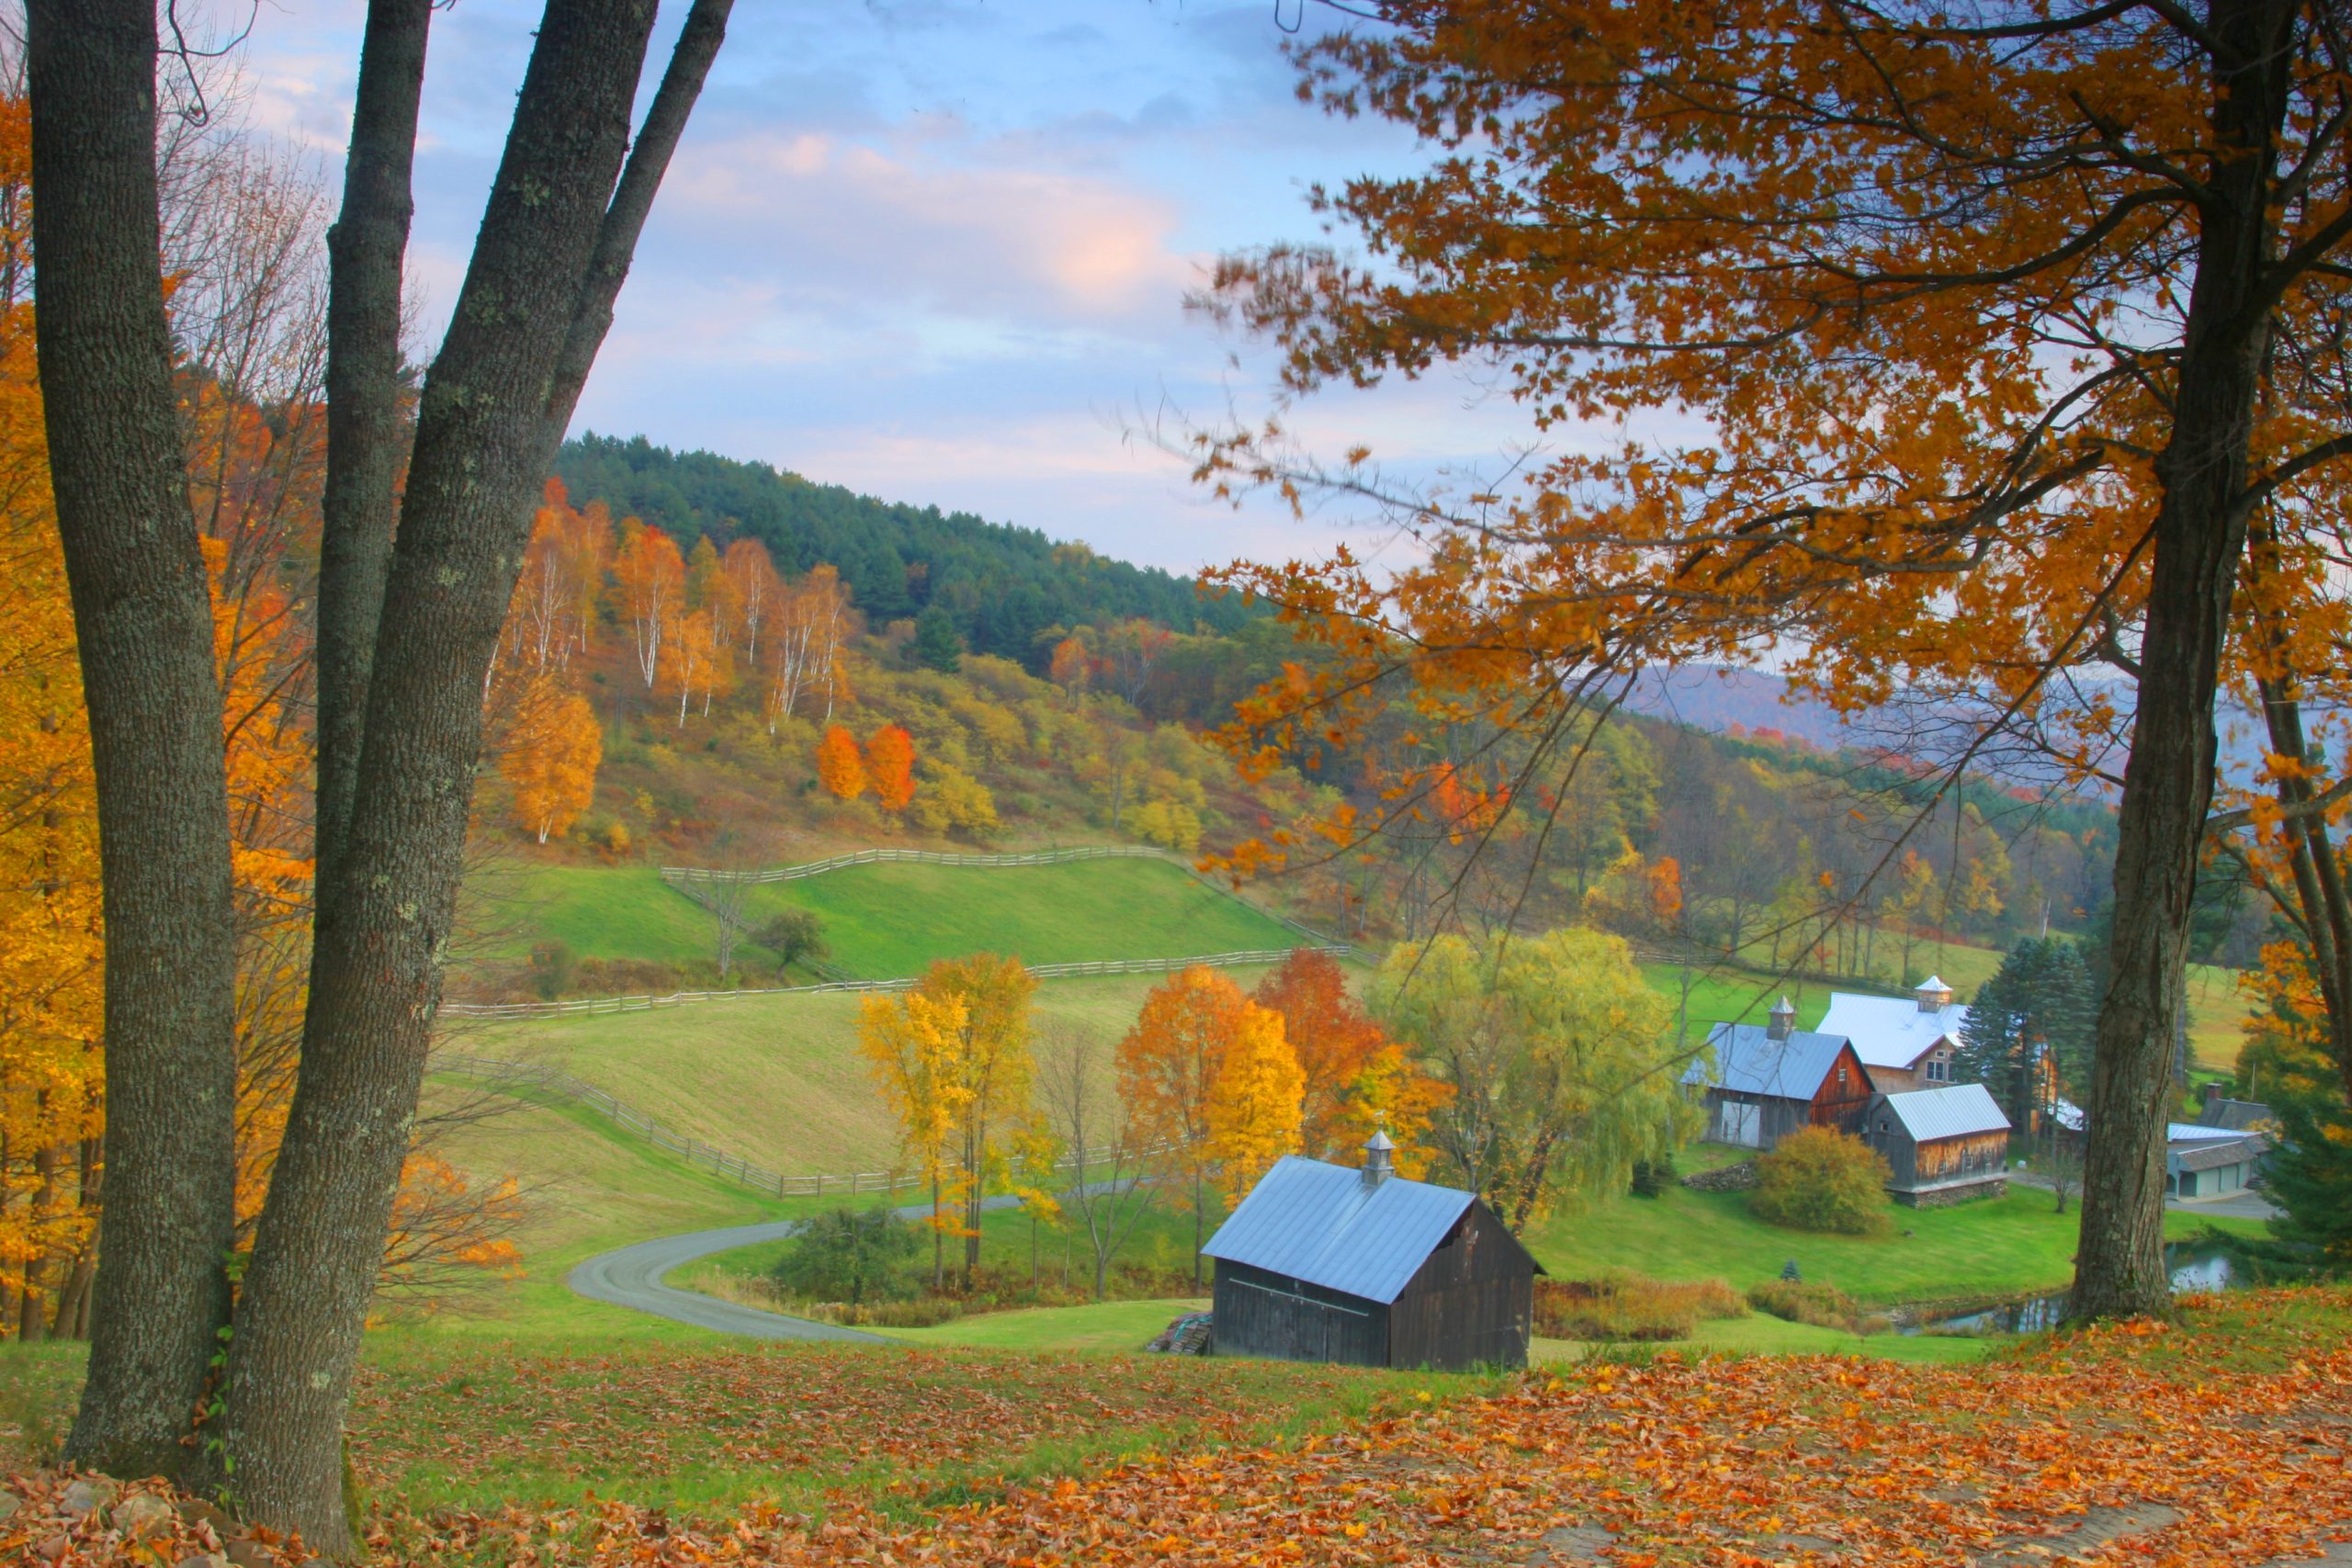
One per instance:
(2194,1269)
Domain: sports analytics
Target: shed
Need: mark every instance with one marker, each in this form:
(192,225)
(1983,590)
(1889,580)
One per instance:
(1322,1263)
(2205,1162)
(1906,1042)
(1943,1144)
(1767,1082)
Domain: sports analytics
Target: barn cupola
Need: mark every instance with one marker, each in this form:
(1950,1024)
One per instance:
(1933,994)
(1784,1020)
(1377,1166)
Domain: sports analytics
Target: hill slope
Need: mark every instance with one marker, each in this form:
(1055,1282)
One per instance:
(889,920)
(1001,584)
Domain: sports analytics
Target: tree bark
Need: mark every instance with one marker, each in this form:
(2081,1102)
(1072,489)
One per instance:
(144,622)
(486,429)
(2200,537)
(362,377)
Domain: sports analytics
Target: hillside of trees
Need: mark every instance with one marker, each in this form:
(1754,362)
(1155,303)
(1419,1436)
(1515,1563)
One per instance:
(1006,589)
(690,698)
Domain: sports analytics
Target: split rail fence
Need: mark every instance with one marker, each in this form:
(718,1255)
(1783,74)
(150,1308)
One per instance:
(584,1006)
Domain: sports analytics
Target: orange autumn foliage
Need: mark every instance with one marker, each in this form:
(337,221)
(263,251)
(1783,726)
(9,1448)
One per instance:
(839,767)
(1353,1078)
(550,756)
(890,766)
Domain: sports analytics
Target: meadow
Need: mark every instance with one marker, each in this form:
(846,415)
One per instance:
(886,921)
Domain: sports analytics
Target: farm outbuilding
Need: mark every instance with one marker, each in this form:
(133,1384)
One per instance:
(1944,1145)
(1322,1263)
(1764,1083)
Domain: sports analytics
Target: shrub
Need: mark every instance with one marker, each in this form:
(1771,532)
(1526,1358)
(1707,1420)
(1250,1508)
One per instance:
(1628,1307)
(1652,1176)
(795,933)
(1824,1306)
(846,1255)
(1820,1179)
(554,969)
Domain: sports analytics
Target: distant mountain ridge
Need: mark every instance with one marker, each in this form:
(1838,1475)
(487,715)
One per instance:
(1001,584)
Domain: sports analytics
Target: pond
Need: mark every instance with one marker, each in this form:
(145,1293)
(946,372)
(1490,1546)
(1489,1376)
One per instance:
(2194,1269)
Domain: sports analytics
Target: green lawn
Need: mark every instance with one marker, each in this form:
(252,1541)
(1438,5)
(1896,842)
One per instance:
(1758,1334)
(888,921)
(882,922)
(2012,1244)
(1105,1328)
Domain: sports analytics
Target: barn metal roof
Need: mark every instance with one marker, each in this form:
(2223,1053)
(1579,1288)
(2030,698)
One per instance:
(1749,1061)
(1321,1223)
(2214,1154)
(1956,1111)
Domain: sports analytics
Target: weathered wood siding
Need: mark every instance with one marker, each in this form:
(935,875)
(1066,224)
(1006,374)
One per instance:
(1974,1157)
(1471,1304)
(1260,1313)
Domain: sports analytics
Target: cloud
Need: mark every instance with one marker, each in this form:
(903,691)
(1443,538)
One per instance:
(823,222)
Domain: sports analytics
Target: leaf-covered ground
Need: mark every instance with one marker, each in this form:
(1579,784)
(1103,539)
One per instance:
(2219,1441)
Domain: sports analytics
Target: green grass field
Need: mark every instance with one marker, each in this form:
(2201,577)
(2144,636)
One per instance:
(776,1080)
(887,920)
(2014,1245)
(2217,1010)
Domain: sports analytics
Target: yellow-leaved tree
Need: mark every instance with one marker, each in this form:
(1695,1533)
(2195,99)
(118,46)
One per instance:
(1253,1114)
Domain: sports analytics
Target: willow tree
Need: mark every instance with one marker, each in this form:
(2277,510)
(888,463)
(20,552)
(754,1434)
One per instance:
(409,620)
(1948,349)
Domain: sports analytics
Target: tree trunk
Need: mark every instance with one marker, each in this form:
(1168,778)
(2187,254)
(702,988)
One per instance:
(2199,537)
(362,385)
(483,445)
(144,621)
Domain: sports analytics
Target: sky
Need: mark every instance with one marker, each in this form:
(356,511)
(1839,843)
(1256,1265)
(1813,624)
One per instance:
(936,249)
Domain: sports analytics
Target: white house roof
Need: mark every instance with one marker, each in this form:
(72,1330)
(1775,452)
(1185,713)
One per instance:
(1891,1031)
(1957,1112)
(2190,1132)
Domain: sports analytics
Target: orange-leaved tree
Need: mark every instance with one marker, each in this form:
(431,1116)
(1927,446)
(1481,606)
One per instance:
(1332,1037)
(549,758)
(1949,351)
(840,768)
(1253,1109)
(1169,1065)
(890,766)
(651,579)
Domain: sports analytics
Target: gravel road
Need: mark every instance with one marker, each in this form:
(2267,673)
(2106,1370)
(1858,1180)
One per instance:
(632,1276)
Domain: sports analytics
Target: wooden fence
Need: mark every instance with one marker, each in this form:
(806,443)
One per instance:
(522,1077)
(587,1005)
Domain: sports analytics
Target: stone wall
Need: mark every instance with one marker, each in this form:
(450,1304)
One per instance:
(1740,1177)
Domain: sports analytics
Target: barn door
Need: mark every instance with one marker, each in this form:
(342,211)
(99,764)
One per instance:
(1740,1126)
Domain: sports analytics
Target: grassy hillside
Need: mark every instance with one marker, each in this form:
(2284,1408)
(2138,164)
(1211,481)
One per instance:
(887,920)
(2217,1008)
(775,1078)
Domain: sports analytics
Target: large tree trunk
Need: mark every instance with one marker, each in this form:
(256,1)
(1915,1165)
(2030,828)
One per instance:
(492,408)
(363,433)
(2200,537)
(144,621)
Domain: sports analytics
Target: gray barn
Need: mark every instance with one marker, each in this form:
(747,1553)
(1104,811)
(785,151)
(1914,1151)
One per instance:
(1943,1145)
(1322,1263)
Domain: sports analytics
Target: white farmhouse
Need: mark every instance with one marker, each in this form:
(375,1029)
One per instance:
(1906,1045)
